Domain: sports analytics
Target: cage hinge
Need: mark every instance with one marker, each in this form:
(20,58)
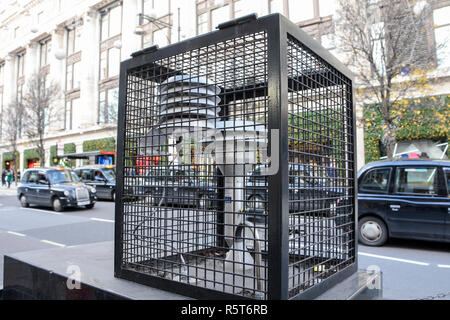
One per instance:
(240,20)
(145,50)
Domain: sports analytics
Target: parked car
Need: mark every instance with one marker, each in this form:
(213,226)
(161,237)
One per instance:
(404,199)
(102,177)
(304,185)
(179,187)
(58,188)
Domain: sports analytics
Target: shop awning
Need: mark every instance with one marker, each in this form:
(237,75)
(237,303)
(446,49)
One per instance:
(87,155)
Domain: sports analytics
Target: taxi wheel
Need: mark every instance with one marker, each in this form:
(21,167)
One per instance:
(90,206)
(56,204)
(23,201)
(372,232)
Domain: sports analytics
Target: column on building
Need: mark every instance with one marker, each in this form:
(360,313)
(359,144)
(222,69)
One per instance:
(48,162)
(131,42)
(57,74)
(360,161)
(31,60)
(9,93)
(86,115)
(78,149)
(9,85)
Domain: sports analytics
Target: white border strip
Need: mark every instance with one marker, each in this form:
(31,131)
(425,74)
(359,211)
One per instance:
(393,259)
(44,211)
(54,243)
(16,233)
(102,220)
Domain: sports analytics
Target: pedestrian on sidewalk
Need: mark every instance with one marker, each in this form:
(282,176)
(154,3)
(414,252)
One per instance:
(9,178)
(4,174)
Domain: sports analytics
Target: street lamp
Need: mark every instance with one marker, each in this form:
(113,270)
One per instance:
(117,44)
(153,19)
(60,54)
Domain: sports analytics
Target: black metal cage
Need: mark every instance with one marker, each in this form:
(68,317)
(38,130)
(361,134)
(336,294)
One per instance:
(236,165)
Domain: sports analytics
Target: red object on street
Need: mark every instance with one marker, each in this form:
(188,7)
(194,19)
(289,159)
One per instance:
(112,153)
(414,155)
(33,163)
(143,163)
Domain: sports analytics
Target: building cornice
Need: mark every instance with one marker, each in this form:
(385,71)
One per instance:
(24,9)
(101,4)
(42,36)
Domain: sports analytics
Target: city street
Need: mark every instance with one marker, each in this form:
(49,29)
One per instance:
(411,269)
(35,228)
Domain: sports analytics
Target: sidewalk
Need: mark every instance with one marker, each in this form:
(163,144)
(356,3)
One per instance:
(12,191)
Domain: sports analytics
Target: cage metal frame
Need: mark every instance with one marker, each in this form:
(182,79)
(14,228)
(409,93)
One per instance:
(278,29)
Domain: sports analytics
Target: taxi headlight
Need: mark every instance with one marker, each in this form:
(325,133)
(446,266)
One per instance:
(66,193)
(93,190)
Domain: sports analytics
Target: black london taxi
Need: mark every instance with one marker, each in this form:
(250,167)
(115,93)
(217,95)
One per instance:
(179,187)
(404,199)
(102,177)
(58,188)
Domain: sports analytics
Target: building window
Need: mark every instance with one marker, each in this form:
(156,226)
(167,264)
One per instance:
(68,114)
(74,39)
(327,7)
(19,92)
(108,105)
(20,129)
(20,65)
(276,6)
(109,63)
(244,7)
(71,105)
(1,111)
(45,49)
(102,110)
(202,23)
(113,62)
(111,22)
(301,10)
(2,73)
(328,41)
(73,76)
(161,37)
(379,45)
(2,68)
(441,34)
(39,17)
(103,65)
(220,15)
(156,7)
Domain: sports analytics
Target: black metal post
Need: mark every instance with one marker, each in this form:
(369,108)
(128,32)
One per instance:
(278,224)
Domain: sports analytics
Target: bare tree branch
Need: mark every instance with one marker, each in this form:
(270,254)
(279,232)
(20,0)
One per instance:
(388,51)
(40,110)
(12,125)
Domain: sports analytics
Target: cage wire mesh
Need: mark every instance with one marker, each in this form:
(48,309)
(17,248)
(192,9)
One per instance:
(321,169)
(196,133)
